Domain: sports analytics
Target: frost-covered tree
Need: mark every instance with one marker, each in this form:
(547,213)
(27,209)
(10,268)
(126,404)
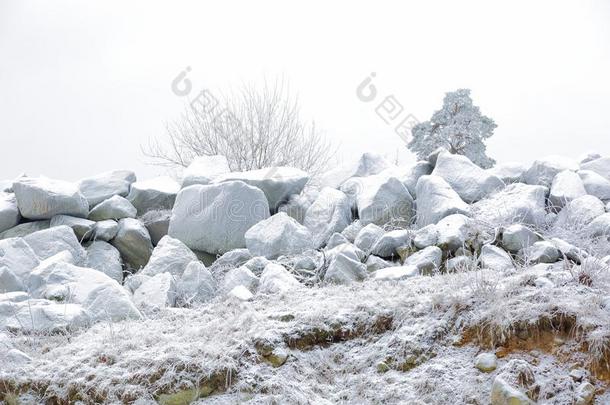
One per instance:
(459,127)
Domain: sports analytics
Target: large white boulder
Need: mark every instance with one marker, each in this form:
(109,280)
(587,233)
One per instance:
(278,235)
(595,184)
(158,193)
(454,232)
(275,279)
(427,261)
(543,171)
(368,237)
(204,169)
(169,256)
(511,385)
(102,297)
(157,223)
(156,293)
(495,258)
(567,186)
(105,185)
(517,237)
(216,217)
(49,242)
(106,230)
(600,226)
(344,269)
(278,183)
(115,207)
(42,198)
(44,316)
(133,241)
(18,256)
(540,252)
(84,229)
(600,166)
(395,273)
(468,180)
(387,244)
(413,174)
(510,172)
(426,236)
(104,257)
(196,284)
(329,213)
(580,212)
(9,213)
(25,229)
(239,276)
(367,165)
(9,282)
(436,200)
(382,200)
(516,203)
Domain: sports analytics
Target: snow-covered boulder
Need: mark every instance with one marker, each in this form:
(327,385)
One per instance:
(367,165)
(169,256)
(600,226)
(216,217)
(157,223)
(346,249)
(517,237)
(278,235)
(516,203)
(387,244)
(426,236)
(278,183)
(115,207)
(102,297)
(344,269)
(156,293)
(395,273)
(454,232)
(329,213)
(566,187)
(511,385)
(83,228)
(231,260)
(105,230)
(105,185)
(204,169)
(49,242)
(9,281)
(495,258)
(374,263)
(511,172)
(24,229)
(368,236)
(382,200)
(458,263)
(335,240)
(540,252)
(275,279)
(17,256)
(427,261)
(436,200)
(240,276)
(158,193)
(42,198)
(543,171)
(104,257)
(468,180)
(595,184)
(486,362)
(413,174)
(9,213)
(133,241)
(196,284)
(600,166)
(580,212)
(570,251)
(240,293)
(44,316)
(298,204)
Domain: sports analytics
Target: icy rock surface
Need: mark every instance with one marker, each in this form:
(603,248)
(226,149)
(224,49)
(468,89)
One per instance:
(278,235)
(105,185)
(42,198)
(104,257)
(204,169)
(49,242)
(133,241)
(436,200)
(9,212)
(116,207)
(169,256)
(155,194)
(329,213)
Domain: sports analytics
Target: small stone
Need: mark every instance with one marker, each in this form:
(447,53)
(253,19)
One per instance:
(486,362)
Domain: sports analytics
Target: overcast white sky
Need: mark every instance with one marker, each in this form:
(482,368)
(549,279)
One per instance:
(84,84)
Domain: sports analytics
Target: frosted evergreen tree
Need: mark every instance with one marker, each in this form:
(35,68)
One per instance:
(459,127)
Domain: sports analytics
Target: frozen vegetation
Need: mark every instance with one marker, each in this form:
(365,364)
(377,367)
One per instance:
(439,283)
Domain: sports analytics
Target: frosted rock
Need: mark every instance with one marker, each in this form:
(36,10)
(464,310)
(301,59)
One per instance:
(156,293)
(595,184)
(49,242)
(580,212)
(509,387)
(351,231)
(468,180)
(589,157)
(196,284)
(105,185)
(343,269)
(511,172)
(232,259)
(413,174)
(157,223)
(115,207)
(600,226)
(585,393)
(458,263)
(240,293)
(101,296)
(336,240)
(330,213)
(427,261)
(297,205)
(170,256)
(383,200)
(436,200)
(9,282)
(278,183)
(276,280)
(570,251)
(517,237)
(240,276)
(42,198)
(9,213)
(390,241)
(426,236)
(155,194)
(600,166)
(14,296)
(516,203)
(368,237)
(106,230)
(395,273)
(43,316)
(543,171)
(83,228)
(204,169)
(495,258)
(18,256)
(541,252)
(134,281)
(374,263)
(454,232)
(567,186)
(104,257)
(133,241)
(258,264)
(25,229)
(346,249)
(278,235)
(367,165)
(486,362)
